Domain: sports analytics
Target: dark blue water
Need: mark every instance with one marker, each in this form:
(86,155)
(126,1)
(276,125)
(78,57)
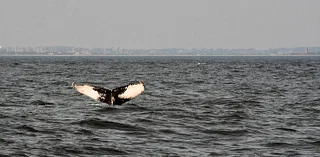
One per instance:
(192,106)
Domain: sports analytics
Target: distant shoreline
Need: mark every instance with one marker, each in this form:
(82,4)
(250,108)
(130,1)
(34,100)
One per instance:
(37,55)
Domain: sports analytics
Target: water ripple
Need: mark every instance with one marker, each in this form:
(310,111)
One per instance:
(224,106)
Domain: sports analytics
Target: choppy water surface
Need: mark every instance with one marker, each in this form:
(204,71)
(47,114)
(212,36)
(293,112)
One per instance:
(192,106)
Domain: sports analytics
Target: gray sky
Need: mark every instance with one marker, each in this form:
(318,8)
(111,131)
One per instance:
(147,24)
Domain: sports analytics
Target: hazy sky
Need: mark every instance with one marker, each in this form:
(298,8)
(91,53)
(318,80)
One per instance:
(146,24)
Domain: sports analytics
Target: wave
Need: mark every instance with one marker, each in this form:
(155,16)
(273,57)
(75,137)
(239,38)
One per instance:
(27,128)
(103,151)
(237,132)
(104,124)
(115,109)
(143,120)
(32,129)
(108,109)
(3,116)
(287,129)
(317,143)
(84,132)
(41,103)
(278,144)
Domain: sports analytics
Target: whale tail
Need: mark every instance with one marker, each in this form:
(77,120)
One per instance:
(116,96)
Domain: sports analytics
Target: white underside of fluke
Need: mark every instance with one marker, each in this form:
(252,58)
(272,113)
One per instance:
(132,91)
(87,90)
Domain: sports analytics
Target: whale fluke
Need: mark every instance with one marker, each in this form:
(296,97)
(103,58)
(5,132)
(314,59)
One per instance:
(115,96)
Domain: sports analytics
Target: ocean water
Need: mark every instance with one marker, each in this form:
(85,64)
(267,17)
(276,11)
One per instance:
(192,106)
